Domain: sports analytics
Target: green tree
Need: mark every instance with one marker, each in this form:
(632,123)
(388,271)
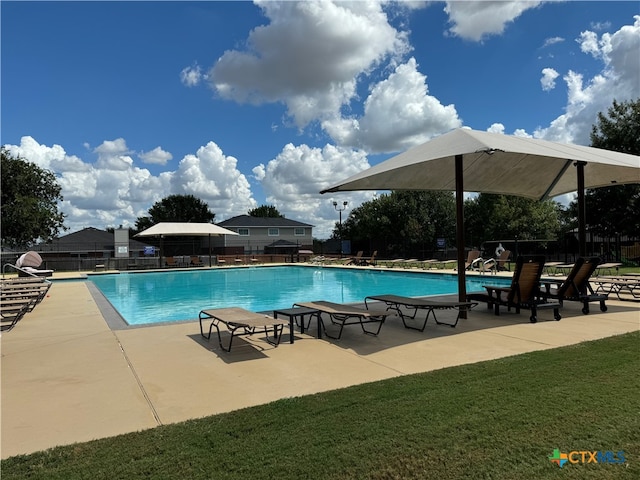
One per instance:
(176,208)
(620,130)
(402,223)
(30,198)
(614,210)
(265,211)
(499,217)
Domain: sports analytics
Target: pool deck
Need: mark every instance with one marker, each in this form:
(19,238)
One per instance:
(67,377)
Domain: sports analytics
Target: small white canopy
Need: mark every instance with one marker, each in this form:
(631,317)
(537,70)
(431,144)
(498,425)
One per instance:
(184,229)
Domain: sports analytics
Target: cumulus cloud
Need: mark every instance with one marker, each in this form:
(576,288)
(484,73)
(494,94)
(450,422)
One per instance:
(548,80)
(308,57)
(112,191)
(214,177)
(293,179)
(156,156)
(617,80)
(478,20)
(398,114)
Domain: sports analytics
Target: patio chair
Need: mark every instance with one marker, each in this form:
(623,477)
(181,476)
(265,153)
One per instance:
(396,302)
(622,285)
(495,265)
(473,260)
(576,286)
(11,312)
(343,315)
(170,262)
(196,262)
(524,291)
(355,260)
(240,322)
(370,261)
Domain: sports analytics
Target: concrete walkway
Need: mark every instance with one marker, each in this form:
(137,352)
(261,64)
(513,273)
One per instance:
(67,377)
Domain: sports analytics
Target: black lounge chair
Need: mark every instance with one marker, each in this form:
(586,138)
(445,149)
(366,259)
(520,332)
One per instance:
(344,315)
(576,286)
(524,291)
(396,302)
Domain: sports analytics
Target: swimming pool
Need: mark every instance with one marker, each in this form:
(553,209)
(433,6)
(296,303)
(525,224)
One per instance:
(156,297)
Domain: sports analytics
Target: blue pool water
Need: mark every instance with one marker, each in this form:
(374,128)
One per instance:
(144,298)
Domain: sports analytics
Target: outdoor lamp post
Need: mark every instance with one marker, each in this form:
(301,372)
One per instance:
(340,210)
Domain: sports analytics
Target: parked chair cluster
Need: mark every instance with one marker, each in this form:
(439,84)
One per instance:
(20,296)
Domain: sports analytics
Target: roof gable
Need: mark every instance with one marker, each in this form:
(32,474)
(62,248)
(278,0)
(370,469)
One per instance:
(249,221)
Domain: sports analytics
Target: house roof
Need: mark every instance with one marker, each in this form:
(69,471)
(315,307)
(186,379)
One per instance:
(249,221)
(94,238)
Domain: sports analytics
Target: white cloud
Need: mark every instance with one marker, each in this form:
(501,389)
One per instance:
(156,156)
(112,191)
(552,41)
(398,114)
(215,178)
(309,56)
(292,182)
(618,79)
(477,20)
(191,76)
(548,80)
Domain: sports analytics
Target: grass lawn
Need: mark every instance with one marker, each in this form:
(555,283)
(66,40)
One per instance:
(500,419)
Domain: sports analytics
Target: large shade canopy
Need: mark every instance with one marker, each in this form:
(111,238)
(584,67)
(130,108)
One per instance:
(496,163)
(184,229)
(466,160)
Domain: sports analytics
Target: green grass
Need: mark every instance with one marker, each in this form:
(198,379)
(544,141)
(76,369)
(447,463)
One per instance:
(492,420)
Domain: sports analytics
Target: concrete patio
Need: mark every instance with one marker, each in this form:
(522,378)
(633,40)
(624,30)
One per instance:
(68,377)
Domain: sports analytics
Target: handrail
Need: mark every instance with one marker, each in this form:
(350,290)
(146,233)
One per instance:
(31,274)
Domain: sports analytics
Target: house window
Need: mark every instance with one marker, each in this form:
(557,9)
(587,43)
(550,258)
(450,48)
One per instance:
(274,232)
(299,232)
(243,232)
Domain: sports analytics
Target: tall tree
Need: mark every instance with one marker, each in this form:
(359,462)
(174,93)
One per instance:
(615,210)
(403,222)
(265,211)
(176,208)
(501,217)
(29,203)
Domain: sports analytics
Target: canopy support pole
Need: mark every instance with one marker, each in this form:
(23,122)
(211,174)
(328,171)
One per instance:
(582,218)
(462,285)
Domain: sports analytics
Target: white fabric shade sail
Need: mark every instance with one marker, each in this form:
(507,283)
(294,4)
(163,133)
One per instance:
(184,229)
(496,163)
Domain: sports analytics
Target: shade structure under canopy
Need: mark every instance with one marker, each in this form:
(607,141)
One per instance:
(466,160)
(185,229)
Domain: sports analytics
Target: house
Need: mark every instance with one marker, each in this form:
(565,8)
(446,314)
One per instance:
(257,235)
(89,247)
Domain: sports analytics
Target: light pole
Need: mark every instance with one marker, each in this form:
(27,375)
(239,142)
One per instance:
(340,210)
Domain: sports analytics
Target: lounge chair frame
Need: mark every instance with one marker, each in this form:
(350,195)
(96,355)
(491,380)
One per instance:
(396,302)
(344,315)
(240,322)
(576,286)
(618,285)
(524,291)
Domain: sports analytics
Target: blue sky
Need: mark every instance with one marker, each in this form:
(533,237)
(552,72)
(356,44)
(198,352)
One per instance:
(244,104)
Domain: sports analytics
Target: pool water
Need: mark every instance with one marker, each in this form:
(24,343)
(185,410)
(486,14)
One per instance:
(143,298)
